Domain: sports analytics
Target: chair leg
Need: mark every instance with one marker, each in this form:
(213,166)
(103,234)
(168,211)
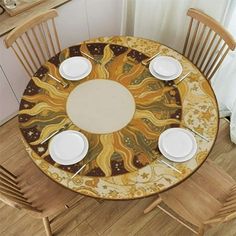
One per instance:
(47,226)
(152,205)
(201,231)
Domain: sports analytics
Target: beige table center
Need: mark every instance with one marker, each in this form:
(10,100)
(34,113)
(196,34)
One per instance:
(100,106)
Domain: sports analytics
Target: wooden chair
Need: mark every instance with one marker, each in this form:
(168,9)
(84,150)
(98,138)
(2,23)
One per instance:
(34,192)
(35,41)
(208,197)
(207,42)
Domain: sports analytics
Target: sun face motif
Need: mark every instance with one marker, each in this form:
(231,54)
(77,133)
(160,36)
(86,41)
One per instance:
(158,107)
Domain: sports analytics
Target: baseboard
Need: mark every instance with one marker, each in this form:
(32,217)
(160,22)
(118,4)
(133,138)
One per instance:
(2,122)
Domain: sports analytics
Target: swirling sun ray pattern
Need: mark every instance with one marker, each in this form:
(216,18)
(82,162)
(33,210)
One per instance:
(149,97)
(40,108)
(144,114)
(42,120)
(125,152)
(49,129)
(41,98)
(138,125)
(103,159)
(127,78)
(53,92)
(121,152)
(116,67)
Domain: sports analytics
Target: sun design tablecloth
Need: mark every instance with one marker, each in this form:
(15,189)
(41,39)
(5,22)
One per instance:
(123,164)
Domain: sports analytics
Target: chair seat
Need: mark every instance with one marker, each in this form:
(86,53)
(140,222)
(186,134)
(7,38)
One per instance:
(199,197)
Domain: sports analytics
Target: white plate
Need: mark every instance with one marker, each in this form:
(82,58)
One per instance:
(177,144)
(68,147)
(165,68)
(75,68)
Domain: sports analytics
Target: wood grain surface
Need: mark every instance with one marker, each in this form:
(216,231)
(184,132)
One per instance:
(118,217)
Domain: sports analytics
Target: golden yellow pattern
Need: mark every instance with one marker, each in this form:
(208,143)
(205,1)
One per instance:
(199,111)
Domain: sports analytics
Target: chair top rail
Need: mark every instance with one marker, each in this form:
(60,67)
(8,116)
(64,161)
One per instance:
(214,25)
(18,31)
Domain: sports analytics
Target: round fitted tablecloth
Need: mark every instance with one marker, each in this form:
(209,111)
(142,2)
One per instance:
(123,164)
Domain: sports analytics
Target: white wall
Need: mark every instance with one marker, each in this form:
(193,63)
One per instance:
(8,101)
(72,23)
(84,19)
(104,17)
(13,70)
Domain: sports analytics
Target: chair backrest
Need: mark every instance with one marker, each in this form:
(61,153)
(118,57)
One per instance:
(11,193)
(227,211)
(35,41)
(207,42)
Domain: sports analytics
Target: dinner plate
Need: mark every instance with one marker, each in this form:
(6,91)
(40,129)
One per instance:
(165,68)
(68,147)
(177,144)
(75,68)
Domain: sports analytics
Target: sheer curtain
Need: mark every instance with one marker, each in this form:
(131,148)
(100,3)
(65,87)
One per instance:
(224,83)
(166,22)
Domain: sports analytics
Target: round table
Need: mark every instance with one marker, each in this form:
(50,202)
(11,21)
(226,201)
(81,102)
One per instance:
(124,163)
